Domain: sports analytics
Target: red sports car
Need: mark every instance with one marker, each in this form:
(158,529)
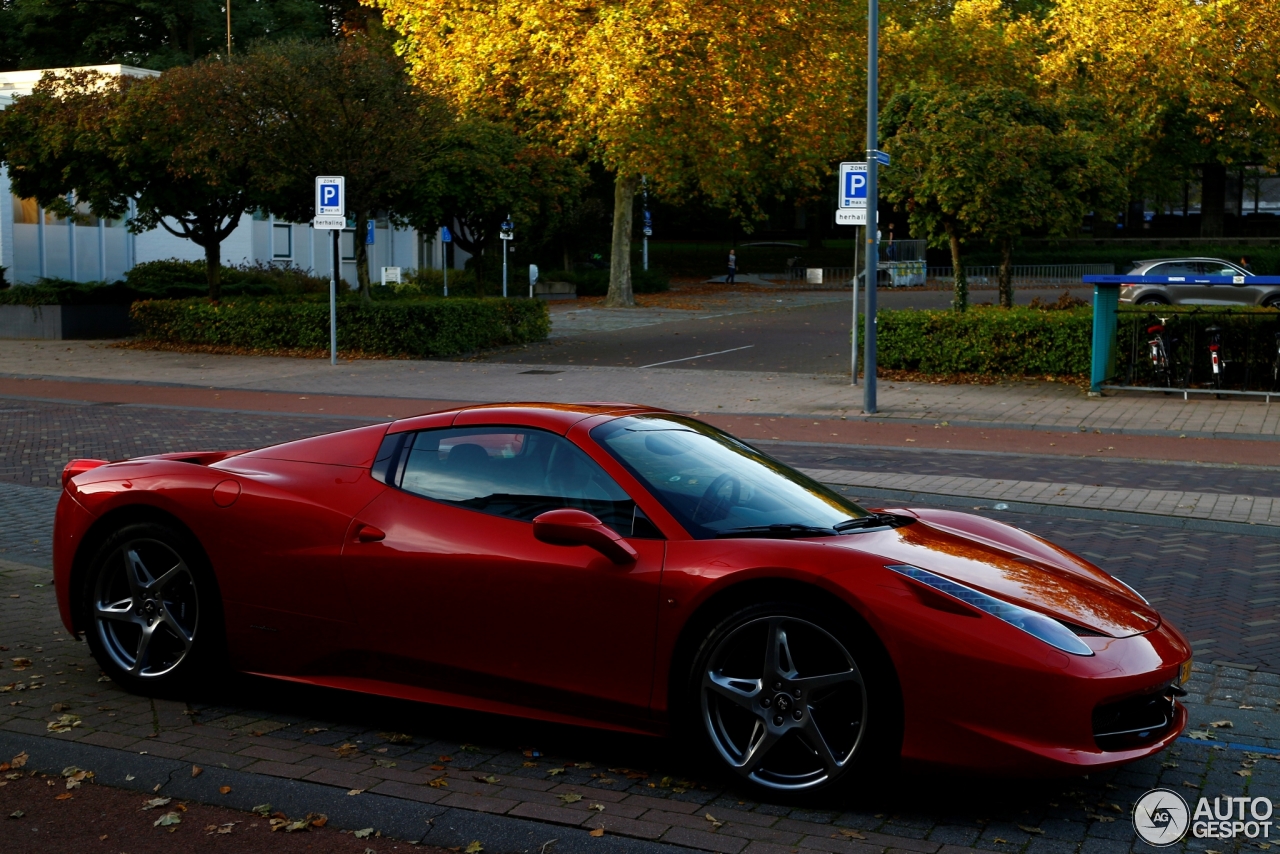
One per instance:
(625,567)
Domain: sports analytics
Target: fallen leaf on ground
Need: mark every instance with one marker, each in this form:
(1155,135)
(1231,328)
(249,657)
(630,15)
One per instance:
(384,763)
(65,796)
(363,834)
(489,779)
(469,748)
(554,771)
(315,729)
(530,764)
(220,828)
(263,810)
(356,792)
(163,802)
(445,758)
(438,783)
(17,814)
(196,770)
(21,662)
(1244,773)
(59,707)
(346,749)
(1221,724)
(64,723)
(852,834)
(474,848)
(598,832)
(1024,828)
(709,817)
(224,790)
(396,737)
(167,820)
(598,807)
(570,797)
(1199,735)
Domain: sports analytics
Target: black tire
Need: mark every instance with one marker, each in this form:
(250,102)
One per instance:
(152,582)
(1152,300)
(1274,302)
(777,707)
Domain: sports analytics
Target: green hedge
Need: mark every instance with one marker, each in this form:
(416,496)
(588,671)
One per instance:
(67,292)
(420,328)
(986,340)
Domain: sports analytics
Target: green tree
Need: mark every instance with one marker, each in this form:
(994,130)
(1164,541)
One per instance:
(337,108)
(992,163)
(486,171)
(154,34)
(160,143)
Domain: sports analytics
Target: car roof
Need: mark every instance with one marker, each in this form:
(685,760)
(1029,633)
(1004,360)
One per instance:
(1146,262)
(557,417)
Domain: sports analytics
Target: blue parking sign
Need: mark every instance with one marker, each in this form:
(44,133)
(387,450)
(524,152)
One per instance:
(330,195)
(853,185)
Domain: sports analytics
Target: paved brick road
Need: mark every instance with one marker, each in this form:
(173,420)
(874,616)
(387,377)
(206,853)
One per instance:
(1214,586)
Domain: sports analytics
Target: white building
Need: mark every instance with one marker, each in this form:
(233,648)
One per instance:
(35,244)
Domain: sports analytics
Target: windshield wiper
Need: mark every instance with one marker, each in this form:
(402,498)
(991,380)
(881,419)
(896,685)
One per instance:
(782,530)
(871,520)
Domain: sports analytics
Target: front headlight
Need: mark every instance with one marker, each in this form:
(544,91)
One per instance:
(1035,624)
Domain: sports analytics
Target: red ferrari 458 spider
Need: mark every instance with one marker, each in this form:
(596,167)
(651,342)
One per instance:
(625,567)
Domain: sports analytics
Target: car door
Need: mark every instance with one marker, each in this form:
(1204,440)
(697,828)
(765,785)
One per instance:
(1239,292)
(453,592)
(1183,289)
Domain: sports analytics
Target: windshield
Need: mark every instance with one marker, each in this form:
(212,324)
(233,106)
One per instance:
(716,486)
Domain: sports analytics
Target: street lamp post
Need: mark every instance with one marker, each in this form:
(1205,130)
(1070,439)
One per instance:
(506,233)
(873,199)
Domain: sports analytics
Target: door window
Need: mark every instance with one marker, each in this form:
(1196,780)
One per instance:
(1217,268)
(514,472)
(1180,268)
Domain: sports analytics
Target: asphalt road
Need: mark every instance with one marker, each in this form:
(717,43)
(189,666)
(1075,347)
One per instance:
(807,340)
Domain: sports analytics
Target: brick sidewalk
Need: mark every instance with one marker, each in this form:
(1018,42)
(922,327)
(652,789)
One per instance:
(1027,406)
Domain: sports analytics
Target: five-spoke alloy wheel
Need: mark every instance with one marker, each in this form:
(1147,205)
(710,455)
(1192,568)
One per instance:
(145,606)
(782,700)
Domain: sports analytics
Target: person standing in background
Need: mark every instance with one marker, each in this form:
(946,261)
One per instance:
(733,268)
(1245,265)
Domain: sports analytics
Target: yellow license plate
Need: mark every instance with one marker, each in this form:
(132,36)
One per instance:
(1184,672)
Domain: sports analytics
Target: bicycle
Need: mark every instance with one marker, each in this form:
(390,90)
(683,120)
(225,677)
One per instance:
(1159,347)
(1217,358)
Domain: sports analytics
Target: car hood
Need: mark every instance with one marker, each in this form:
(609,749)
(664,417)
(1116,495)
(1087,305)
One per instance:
(1015,566)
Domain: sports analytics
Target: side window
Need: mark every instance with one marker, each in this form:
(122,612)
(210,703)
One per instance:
(1214,268)
(513,472)
(1181,268)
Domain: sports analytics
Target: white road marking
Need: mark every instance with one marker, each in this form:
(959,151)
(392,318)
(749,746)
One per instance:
(699,356)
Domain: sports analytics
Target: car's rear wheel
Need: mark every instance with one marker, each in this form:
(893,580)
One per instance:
(790,700)
(1153,301)
(153,614)
(1274,302)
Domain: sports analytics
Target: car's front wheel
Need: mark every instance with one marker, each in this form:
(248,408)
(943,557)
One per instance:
(791,699)
(152,609)
(1153,301)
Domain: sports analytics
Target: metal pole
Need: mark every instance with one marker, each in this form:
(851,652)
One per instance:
(333,300)
(873,203)
(646,253)
(853,357)
(445,252)
(228,29)
(504,268)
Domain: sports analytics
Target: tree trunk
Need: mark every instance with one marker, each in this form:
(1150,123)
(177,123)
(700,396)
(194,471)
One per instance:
(1006,272)
(1213,199)
(624,194)
(213,267)
(568,259)
(815,224)
(960,301)
(362,255)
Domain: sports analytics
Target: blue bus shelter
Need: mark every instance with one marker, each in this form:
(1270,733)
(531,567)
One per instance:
(1106,304)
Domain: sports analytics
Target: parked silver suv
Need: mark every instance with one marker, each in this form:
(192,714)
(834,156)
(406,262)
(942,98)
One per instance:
(1193,292)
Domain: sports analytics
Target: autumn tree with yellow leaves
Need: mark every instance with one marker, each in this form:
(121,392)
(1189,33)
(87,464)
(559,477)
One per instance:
(729,99)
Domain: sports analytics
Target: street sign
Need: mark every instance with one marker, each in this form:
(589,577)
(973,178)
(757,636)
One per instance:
(853,186)
(881,157)
(446,236)
(334,222)
(368,232)
(391,274)
(857,216)
(507,231)
(331,196)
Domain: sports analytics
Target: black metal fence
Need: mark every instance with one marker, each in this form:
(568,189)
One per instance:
(1174,348)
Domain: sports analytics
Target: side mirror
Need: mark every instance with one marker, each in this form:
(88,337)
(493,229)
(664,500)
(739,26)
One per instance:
(568,527)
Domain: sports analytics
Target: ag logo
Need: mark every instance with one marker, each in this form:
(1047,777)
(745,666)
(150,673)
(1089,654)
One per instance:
(1161,817)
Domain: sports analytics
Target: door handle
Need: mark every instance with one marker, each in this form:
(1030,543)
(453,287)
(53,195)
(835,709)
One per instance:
(369,534)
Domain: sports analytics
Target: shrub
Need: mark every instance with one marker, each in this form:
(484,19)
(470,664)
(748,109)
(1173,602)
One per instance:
(404,327)
(430,283)
(987,340)
(595,283)
(67,292)
(175,279)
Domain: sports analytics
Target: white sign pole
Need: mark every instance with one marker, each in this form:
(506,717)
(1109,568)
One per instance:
(331,214)
(853,358)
